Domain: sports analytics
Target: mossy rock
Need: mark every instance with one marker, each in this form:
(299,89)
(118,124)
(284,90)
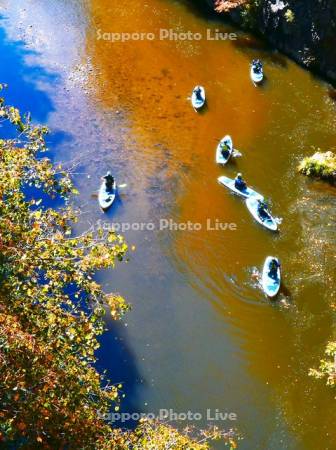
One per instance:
(320,165)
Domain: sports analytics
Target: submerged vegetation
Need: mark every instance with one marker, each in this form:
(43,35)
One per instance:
(327,369)
(320,165)
(52,312)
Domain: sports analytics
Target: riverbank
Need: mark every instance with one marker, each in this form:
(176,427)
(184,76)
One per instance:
(305,31)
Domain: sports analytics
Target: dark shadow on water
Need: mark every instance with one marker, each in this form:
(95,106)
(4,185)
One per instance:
(285,291)
(263,84)
(277,59)
(116,358)
(247,42)
(332,94)
(116,205)
(203,110)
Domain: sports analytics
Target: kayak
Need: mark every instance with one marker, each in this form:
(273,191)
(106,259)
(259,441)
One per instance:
(196,102)
(268,222)
(246,193)
(219,157)
(107,197)
(256,77)
(270,284)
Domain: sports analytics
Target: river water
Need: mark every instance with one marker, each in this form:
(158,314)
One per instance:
(201,335)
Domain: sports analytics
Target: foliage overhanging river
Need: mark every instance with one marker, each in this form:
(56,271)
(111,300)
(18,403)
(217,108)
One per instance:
(200,336)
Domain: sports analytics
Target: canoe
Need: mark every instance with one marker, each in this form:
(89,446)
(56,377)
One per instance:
(219,157)
(246,193)
(256,77)
(105,197)
(268,222)
(270,285)
(197,103)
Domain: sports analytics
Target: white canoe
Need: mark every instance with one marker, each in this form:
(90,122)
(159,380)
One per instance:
(219,157)
(268,222)
(270,284)
(256,77)
(105,197)
(196,102)
(246,193)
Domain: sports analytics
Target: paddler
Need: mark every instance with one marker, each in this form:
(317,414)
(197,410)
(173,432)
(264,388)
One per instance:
(198,92)
(274,266)
(225,149)
(239,182)
(109,181)
(262,209)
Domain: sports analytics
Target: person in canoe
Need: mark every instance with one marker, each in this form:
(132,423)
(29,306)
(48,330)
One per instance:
(240,183)
(263,209)
(198,92)
(257,65)
(274,266)
(109,181)
(225,150)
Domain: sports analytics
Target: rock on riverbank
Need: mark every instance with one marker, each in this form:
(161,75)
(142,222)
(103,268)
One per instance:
(320,165)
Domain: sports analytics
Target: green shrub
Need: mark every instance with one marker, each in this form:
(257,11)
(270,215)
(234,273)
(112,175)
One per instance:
(320,165)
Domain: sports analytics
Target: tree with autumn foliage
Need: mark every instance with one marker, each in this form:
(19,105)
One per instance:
(51,308)
(52,312)
(224,6)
